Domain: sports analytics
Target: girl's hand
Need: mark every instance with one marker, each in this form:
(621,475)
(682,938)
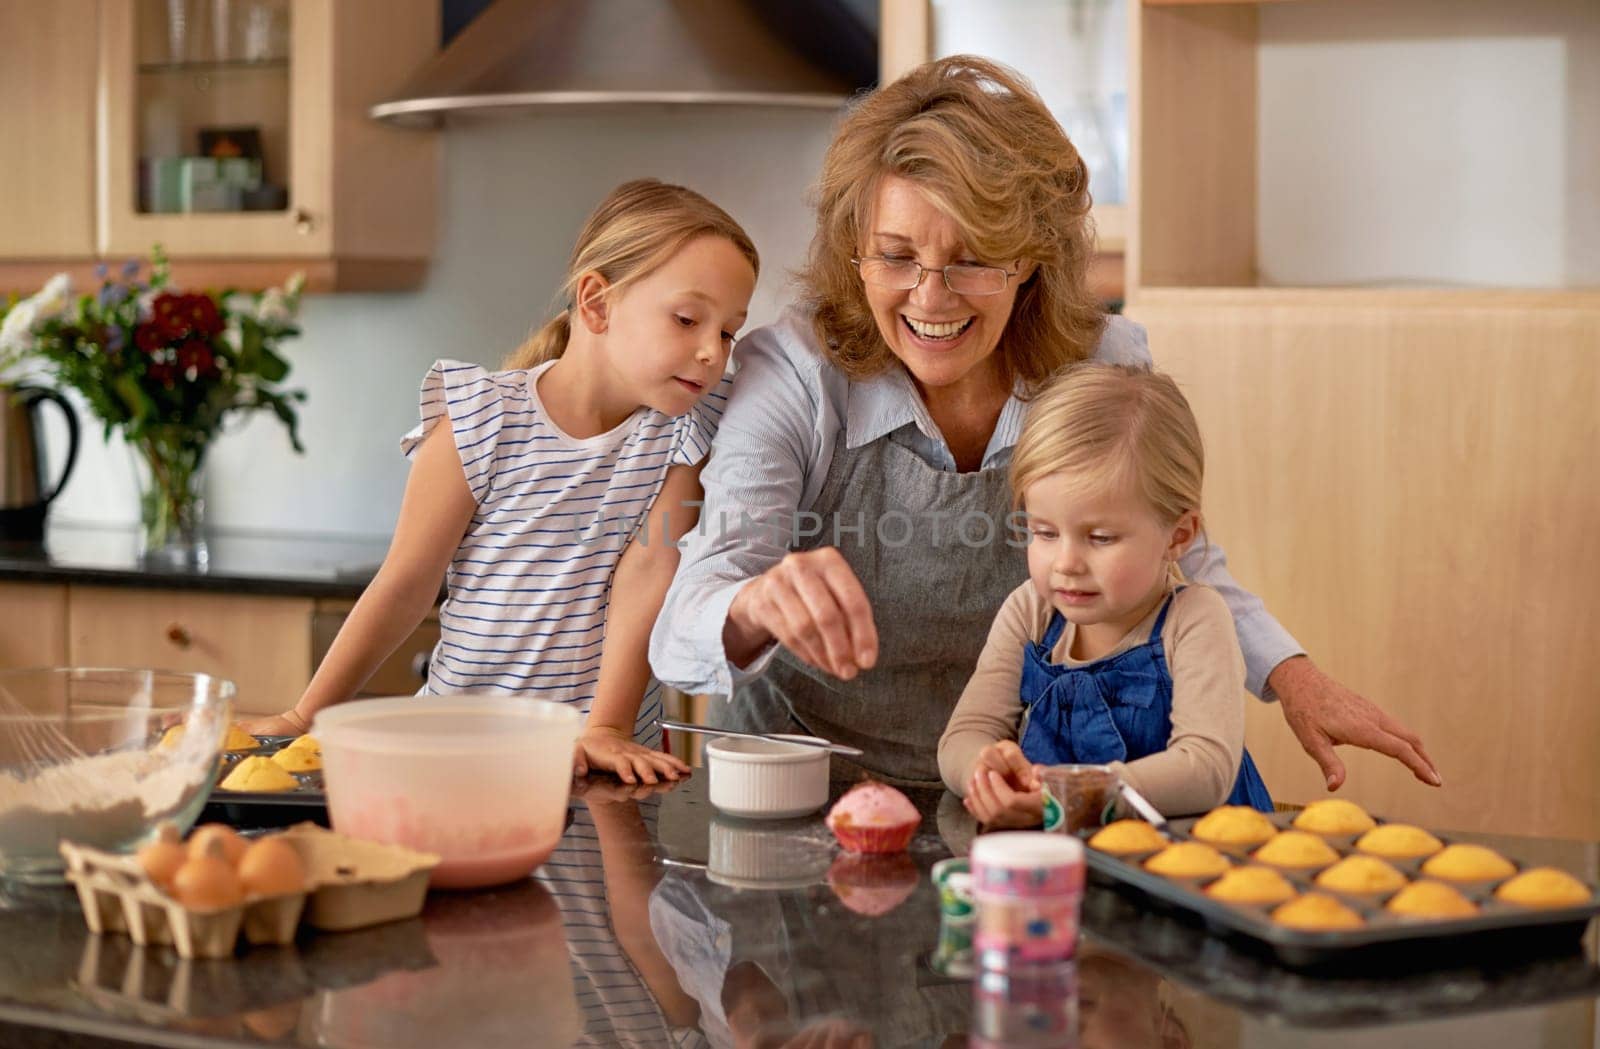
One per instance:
(1006,758)
(812,604)
(995,803)
(608,749)
(286,724)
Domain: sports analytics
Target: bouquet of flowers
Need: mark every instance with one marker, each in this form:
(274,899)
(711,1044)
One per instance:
(166,368)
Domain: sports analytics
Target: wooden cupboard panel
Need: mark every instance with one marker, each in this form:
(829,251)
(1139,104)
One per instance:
(1413,492)
(262,644)
(1194,163)
(35,633)
(47,87)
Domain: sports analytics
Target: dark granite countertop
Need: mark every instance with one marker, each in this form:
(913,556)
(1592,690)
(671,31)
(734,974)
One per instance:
(240,562)
(644,930)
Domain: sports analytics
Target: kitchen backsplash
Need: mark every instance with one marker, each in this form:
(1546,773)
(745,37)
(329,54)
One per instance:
(515,192)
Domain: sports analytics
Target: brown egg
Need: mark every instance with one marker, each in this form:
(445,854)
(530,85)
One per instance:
(233,846)
(161,860)
(207,883)
(271,867)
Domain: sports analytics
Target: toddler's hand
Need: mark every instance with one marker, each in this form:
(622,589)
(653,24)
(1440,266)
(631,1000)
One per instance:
(995,803)
(609,750)
(1006,758)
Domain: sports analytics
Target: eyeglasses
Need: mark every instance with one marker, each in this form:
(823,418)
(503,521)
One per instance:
(962,278)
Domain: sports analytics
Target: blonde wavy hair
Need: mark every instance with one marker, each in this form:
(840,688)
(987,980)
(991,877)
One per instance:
(975,137)
(631,234)
(1107,425)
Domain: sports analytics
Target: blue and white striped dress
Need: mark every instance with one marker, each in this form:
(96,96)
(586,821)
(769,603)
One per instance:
(526,593)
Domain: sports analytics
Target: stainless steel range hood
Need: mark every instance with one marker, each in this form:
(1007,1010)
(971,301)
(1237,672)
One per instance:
(540,54)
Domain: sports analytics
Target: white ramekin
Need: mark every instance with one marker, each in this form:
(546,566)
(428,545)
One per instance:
(765,778)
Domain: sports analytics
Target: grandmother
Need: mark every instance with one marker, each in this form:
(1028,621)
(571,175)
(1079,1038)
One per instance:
(855,544)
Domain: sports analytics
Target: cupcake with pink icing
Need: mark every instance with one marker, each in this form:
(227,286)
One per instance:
(874,817)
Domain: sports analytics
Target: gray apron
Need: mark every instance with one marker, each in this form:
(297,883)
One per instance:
(934,587)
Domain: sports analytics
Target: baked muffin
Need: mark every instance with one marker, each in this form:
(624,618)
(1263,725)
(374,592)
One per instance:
(1544,887)
(304,743)
(873,817)
(1296,849)
(1334,816)
(1187,859)
(1233,825)
(1125,837)
(1431,899)
(1251,885)
(1468,863)
(1399,841)
(298,759)
(258,774)
(1316,912)
(237,740)
(1361,875)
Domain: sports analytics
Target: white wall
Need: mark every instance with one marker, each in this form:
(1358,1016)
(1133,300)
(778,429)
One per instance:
(1430,141)
(515,192)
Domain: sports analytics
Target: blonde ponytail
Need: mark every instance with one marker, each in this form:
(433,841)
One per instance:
(633,232)
(543,345)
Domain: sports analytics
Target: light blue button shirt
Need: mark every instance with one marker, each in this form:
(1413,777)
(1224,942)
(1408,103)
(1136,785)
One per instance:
(789,407)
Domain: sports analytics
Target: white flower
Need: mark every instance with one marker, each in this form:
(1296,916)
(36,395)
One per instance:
(273,309)
(295,284)
(54,298)
(233,335)
(16,331)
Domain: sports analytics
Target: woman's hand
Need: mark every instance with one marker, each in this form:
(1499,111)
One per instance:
(1324,714)
(611,750)
(812,604)
(286,724)
(1003,790)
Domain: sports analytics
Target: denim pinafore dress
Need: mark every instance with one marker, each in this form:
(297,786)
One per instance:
(1113,709)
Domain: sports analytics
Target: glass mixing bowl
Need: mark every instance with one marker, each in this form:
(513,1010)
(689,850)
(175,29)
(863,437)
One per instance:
(95,756)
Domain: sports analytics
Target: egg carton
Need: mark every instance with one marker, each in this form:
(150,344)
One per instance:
(351,884)
(1498,927)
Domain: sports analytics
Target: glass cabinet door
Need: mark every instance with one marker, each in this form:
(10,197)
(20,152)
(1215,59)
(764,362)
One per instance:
(209,127)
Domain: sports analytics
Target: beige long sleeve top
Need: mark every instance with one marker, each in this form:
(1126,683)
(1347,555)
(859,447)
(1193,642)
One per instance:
(1197,770)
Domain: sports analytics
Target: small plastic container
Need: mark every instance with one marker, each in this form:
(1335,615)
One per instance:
(1027,886)
(767,778)
(1078,797)
(482,781)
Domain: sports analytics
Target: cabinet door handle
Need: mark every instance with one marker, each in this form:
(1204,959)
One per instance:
(179,635)
(303,222)
(419,664)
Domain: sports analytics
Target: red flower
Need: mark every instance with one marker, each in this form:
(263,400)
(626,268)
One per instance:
(178,316)
(148,338)
(163,373)
(203,316)
(195,359)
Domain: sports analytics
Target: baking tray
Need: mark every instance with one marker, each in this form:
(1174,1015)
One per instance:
(1387,938)
(243,808)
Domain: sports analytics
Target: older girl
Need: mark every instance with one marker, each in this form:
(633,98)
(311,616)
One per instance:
(549,496)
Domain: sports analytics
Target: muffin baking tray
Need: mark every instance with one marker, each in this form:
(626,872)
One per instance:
(1498,927)
(307,794)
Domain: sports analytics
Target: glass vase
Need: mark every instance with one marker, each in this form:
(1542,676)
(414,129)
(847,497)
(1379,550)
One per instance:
(171,475)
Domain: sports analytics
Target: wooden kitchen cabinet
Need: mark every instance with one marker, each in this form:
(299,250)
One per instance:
(35,631)
(261,643)
(46,123)
(110,89)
